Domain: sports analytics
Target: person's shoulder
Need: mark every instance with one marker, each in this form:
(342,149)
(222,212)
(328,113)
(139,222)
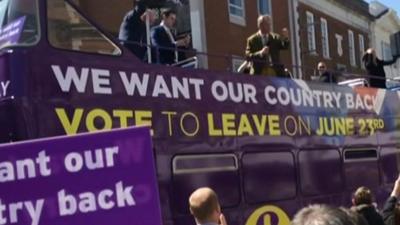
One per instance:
(253,36)
(275,35)
(129,14)
(157,28)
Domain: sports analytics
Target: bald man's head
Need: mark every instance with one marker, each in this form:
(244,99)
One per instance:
(204,205)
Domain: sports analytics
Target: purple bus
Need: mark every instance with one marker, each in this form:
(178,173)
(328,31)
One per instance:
(268,146)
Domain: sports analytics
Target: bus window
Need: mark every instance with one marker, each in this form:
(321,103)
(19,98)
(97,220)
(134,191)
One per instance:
(268,176)
(361,168)
(390,157)
(19,23)
(218,171)
(67,29)
(320,172)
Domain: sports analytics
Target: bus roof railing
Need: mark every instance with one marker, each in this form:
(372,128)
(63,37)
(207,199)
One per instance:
(193,61)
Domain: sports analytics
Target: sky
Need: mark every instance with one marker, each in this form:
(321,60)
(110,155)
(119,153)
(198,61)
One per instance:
(395,4)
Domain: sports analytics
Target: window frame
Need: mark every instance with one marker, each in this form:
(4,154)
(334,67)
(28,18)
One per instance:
(91,23)
(325,38)
(259,9)
(39,30)
(361,44)
(236,61)
(236,19)
(312,46)
(176,171)
(206,171)
(386,51)
(352,49)
(361,159)
(340,171)
(295,174)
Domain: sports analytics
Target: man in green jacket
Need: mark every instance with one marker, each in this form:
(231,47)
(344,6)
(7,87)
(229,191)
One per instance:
(263,49)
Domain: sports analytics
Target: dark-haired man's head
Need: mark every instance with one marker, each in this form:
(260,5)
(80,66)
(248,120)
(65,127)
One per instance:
(169,17)
(362,196)
(140,6)
(321,215)
(204,206)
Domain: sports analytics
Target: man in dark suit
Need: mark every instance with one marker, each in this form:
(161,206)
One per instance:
(263,49)
(132,32)
(164,41)
(326,76)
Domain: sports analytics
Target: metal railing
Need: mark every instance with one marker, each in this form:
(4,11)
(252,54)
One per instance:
(225,63)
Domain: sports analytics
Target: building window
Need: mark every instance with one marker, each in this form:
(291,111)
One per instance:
(311,33)
(264,7)
(352,52)
(325,38)
(386,51)
(237,12)
(362,47)
(236,63)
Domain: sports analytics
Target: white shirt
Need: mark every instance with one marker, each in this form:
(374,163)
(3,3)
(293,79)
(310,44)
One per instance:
(171,37)
(264,38)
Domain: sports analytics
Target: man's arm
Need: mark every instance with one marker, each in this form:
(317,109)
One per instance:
(389,62)
(388,214)
(252,53)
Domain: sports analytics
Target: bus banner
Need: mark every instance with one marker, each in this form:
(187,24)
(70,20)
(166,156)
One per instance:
(99,178)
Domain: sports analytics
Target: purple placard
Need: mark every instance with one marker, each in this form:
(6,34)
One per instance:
(10,33)
(102,178)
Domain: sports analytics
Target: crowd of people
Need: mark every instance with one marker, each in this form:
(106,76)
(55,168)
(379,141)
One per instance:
(262,52)
(206,210)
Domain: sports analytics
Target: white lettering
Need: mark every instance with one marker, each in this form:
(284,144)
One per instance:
(102,199)
(66,204)
(71,75)
(135,83)
(180,88)
(87,202)
(101,79)
(4,87)
(250,93)
(221,95)
(350,100)
(73,162)
(197,84)
(267,91)
(35,212)
(161,88)
(17,210)
(124,195)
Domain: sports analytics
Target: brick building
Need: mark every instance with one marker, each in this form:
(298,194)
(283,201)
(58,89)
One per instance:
(228,23)
(386,23)
(334,31)
(219,27)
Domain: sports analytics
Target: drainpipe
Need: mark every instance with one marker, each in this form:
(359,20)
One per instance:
(294,37)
